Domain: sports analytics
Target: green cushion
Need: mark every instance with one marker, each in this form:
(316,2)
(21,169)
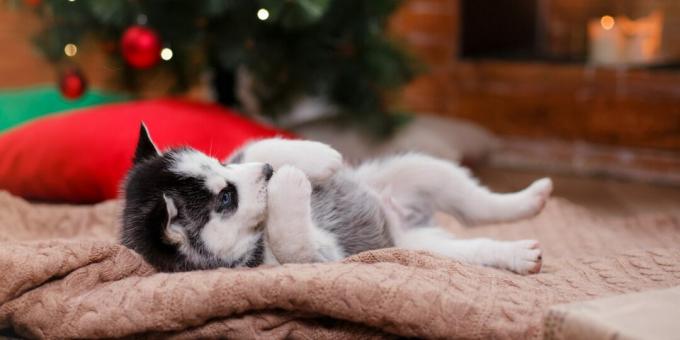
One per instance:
(19,106)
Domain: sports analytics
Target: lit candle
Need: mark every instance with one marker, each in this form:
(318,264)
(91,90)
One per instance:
(643,38)
(606,41)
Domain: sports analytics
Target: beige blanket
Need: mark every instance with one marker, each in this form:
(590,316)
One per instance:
(62,275)
(651,314)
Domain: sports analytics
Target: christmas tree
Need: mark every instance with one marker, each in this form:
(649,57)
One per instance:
(332,49)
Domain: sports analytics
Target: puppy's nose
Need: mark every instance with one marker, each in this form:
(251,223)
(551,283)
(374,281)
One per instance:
(267,172)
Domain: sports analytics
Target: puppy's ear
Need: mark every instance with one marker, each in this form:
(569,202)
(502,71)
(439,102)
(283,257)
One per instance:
(145,147)
(171,233)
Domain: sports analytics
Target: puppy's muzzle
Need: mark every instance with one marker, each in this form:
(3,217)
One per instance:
(267,172)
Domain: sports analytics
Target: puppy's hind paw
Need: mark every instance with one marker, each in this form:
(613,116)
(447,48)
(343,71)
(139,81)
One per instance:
(536,196)
(526,257)
(541,188)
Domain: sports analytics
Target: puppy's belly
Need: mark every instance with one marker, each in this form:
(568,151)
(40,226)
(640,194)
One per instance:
(351,213)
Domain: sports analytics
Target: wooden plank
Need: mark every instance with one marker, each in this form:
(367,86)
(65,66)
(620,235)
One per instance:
(626,107)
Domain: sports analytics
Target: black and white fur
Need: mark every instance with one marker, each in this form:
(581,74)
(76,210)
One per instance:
(282,201)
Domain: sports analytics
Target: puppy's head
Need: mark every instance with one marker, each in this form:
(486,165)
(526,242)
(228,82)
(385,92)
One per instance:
(185,210)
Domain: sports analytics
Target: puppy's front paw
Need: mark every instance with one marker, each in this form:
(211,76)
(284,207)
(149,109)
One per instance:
(289,216)
(316,160)
(289,186)
(525,257)
(320,161)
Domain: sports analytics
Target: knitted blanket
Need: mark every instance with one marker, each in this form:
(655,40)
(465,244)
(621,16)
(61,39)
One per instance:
(63,275)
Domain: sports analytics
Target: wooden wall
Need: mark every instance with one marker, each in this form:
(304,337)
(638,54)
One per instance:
(21,64)
(635,107)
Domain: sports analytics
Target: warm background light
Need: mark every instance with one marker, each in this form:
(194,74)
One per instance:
(607,22)
(70,50)
(166,54)
(262,14)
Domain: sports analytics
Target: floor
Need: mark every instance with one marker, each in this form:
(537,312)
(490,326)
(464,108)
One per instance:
(603,196)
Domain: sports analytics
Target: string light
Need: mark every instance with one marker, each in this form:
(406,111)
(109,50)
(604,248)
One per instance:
(70,50)
(262,14)
(166,54)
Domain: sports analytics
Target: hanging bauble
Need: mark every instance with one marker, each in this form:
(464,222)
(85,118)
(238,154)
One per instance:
(72,84)
(140,47)
(33,3)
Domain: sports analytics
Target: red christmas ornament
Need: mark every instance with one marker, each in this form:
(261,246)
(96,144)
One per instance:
(33,3)
(140,47)
(72,84)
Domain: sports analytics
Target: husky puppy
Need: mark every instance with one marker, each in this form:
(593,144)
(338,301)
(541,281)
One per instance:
(279,201)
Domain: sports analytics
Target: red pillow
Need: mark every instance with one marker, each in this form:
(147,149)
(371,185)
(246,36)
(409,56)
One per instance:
(82,156)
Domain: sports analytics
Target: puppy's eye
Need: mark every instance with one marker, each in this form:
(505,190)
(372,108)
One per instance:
(226,200)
